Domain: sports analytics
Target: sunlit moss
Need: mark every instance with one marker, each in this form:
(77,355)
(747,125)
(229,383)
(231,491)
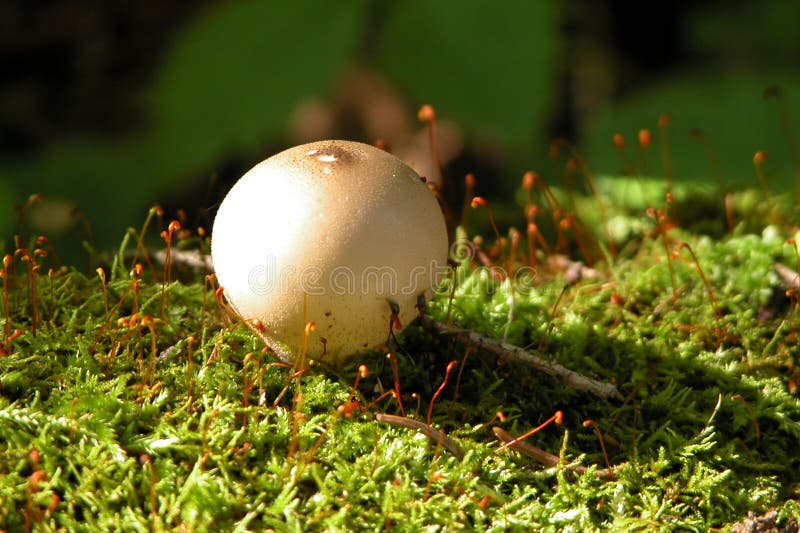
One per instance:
(219,437)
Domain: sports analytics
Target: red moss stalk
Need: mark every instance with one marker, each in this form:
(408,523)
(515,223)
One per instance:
(695,265)
(557,419)
(753,419)
(663,225)
(587,423)
(758,163)
(393,362)
(450,367)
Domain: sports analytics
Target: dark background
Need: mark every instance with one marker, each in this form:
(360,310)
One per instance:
(108,108)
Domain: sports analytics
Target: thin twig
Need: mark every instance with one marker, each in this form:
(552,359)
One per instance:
(546,458)
(433,434)
(789,277)
(520,355)
(190,258)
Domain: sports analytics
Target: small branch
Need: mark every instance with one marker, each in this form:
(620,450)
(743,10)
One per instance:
(789,277)
(433,434)
(546,458)
(189,258)
(520,355)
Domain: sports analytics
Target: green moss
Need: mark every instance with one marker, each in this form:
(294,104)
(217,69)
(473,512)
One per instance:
(185,421)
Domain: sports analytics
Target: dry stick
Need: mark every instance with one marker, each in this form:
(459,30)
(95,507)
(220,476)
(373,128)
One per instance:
(544,457)
(189,258)
(433,434)
(519,355)
(790,278)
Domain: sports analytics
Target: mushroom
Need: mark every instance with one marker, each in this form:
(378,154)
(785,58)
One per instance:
(338,233)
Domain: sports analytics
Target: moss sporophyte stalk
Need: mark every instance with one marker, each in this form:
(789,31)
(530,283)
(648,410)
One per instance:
(658,334)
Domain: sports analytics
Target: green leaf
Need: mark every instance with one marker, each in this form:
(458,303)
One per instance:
(235,75)
(732,114)
(745,33)
(228,85)
(490,67)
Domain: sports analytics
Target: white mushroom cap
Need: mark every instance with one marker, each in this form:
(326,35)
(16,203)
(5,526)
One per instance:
(332,232)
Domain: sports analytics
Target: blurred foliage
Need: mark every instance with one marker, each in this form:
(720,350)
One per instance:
(490,69)
(233,77)
(734,119)
(222,89)
(762,33)
(738,50)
